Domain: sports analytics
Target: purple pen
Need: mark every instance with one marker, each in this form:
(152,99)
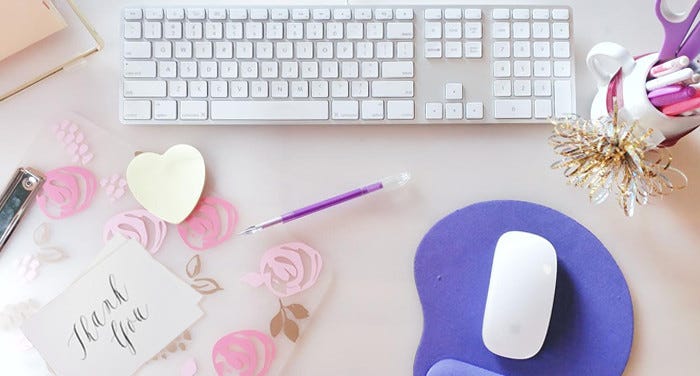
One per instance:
(672,97)
(389,182)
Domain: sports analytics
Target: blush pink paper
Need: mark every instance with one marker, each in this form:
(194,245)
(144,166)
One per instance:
(211,223)
(140,225)
(287,269)
(66,191)
(243,353)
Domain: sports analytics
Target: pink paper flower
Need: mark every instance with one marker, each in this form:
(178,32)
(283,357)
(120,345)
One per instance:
(287,269)
(139,225)
(66,191)
(210,224)
(244,353)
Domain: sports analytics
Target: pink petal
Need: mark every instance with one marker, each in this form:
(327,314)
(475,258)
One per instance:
(83,148)
(119,192)
(30,275)
(60,135)
(103,182)
(73,127)
(68,139)
(79,137)
(109,189)
(87,158)
(72,148)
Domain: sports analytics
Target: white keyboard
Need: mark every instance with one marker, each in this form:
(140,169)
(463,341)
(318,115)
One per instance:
(347,65)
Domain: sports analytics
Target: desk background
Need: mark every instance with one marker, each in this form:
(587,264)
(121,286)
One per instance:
(371,319)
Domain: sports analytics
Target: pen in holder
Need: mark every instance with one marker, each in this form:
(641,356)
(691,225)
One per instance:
(621,76)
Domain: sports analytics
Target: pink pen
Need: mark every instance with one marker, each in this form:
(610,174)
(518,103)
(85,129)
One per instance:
(690,104)
(676,96)
(670,66)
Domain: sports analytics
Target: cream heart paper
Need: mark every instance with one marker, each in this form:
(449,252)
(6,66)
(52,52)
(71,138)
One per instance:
(168,185)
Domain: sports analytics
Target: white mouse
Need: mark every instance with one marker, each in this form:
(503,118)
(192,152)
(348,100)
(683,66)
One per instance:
(521,295)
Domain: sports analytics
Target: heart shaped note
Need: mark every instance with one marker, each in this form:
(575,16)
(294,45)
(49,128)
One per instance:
(168,185)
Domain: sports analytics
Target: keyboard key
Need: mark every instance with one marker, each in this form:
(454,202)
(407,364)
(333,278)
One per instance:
(193,30)
(562,97)
(543,88)
(132,30)
(540,49)
(399,30)
(562,68)
(360,89)
(345,110)
(195,13)
(433,30)
(203,50)
(237,14)
(321,14)
(329,69)
(301,14)
(432,14)
(193,110)
(501,14)
(217,14)
(249,69)
(472,14)
(172,30)
(453,30)
(501,68)
(472,30)
(198,89)
(219,89)
(144,89)
(133,14)
(474,110)
(279,14)
(453,111)
(472,50)
(543,108)
(560,14)
(280,89)
(540,14)
(540,30)
(319,89)
(273,30)
(433,111)
(258,14)
(369,69)
(383,14)
(137,50)
(501,49)
(512,109)
(521,30)
(355,30)
(238,89)
(501,88)
(162,50)
(433,50)
(501,30)
(522,68)
(341,14)
(234,30)
(136,110)
(300,89)
(399,110)
(375,30)
(177,89)
(223,50)
(372,110)
(521,49)
(404,14)
(385,50)
(290,69)
(404,50)
(363,14)
(152,30)
(175,14)
(453,14)
(453,50)
(167,69)
(392,89)
(164,110)
(453,91)
(397,69)
(344,50)
(560,30)
(521,14)
(259,89)
(542,68)
(263,50)
(269,110)
(522,88)
(561,50)
(268,69)
(253,30)
(334,30)
(314,30)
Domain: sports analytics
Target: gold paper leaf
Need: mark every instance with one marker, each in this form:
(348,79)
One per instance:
(172,347)
(206,286)
(186,335)
(277,323)
(298,311)
(182,347)
(291,330)
(50,254)
(194,266)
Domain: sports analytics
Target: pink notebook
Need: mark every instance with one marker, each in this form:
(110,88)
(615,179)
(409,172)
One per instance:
(25,22)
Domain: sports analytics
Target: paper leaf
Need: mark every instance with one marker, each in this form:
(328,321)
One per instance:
(277,323)
(194,266)
(41,234)
(291,330)
(186,335)
(252,279)
(298,311)
(206,286)
(50,254)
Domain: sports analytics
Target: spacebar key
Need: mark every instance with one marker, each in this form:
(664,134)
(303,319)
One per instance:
(269,110)
(512,109)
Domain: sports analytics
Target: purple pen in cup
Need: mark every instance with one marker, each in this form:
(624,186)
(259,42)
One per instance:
(661,97)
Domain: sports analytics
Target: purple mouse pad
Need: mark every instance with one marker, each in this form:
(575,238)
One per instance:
(590,332)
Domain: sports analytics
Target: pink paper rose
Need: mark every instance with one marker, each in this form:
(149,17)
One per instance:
(210,224)
(244,353)
(66,191)
(287,269)
(139,225)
